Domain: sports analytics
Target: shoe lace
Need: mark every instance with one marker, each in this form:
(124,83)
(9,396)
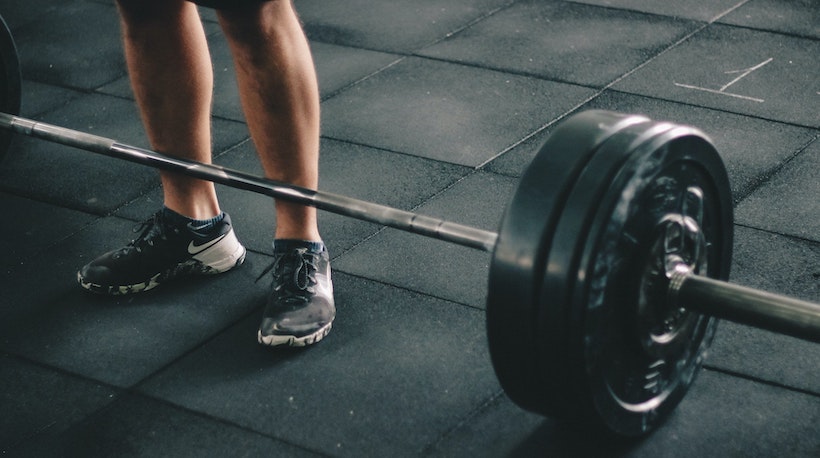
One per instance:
(294,275)
(150,231)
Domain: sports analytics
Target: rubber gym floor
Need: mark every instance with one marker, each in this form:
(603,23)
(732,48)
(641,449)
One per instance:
(434,106)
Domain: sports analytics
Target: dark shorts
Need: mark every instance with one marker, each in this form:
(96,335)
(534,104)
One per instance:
(226,4)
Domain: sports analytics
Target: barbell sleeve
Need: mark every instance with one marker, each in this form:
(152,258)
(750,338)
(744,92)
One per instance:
(745,305)
(367,211)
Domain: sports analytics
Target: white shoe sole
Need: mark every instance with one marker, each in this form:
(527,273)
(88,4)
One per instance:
(293,341)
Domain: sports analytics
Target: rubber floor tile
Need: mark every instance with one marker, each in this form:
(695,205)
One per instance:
(562,41)
(397,371)
(739,70)
(764,355)
(84,180)
(793,17)
(339,66)
(48,318)
(720,416)
(19,14)
(38,98)
(700,10)
(434,267)
(782,265)
(75,178)
(37,227)
(446,112)
(788,203)
(390,25)
(38,401)
(134,426)
(751,148)
(78,45)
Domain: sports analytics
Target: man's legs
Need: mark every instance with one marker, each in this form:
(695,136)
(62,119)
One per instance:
(172,78)
(280,97)
(170,69)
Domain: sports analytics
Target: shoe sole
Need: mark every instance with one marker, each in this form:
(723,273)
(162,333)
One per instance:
(188,268)
(293,341)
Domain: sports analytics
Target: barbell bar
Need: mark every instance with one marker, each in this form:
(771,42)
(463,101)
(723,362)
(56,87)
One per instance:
(720,299)
(686,290)
(608,270)
(343,205)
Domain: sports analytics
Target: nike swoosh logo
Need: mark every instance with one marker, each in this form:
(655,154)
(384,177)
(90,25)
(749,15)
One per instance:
(194,249)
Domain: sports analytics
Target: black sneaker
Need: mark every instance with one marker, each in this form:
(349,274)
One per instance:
(163,250)
(300,308)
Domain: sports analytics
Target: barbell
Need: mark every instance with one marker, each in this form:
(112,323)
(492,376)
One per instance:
(608,272)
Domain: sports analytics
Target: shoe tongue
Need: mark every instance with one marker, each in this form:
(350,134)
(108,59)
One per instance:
(288,245)
(172,218)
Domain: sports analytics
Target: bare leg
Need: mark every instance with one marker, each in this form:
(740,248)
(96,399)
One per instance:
(280,98)
(171,74)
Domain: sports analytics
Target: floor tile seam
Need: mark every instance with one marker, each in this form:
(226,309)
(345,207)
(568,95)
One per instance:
(213,335)
(97,91)
(82,89)
(792,237)
(136,386)
(412,52)
(649,13)
(764,177)
(686,37)
(770,31)
(415,209)
(537,131)
(117,393)
(66,235)
(20,442)
(721,110)
(784,33)
(346,87)
(43,16)
(215,418)
(113,212)
(21,358)
(503,70)
(760,380)
(230,148)
(39,114)
(669,48)
(121,393)
(598,93)
(700,26)
(473,414)
(359,47)
(470,307)
(468,25)
(387,150)
(78,91)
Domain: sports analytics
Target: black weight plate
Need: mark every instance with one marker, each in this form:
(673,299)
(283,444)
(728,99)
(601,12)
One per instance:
(616,373)
(520,252)
(635,379)
(558,359)
(10,82)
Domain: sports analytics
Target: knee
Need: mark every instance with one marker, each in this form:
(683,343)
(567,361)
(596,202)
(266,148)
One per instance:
(254,20)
